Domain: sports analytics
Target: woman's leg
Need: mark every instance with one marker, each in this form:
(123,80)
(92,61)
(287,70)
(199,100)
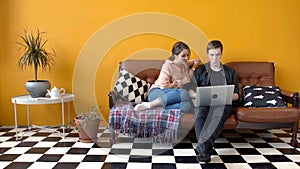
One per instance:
(169,98)
(172,98)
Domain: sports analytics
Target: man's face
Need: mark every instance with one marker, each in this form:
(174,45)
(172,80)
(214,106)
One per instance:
(214,55)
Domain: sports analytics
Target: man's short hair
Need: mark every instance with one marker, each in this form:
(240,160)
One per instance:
(214,44)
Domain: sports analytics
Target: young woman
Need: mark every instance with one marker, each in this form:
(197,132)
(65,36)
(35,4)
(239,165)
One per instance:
(168,90)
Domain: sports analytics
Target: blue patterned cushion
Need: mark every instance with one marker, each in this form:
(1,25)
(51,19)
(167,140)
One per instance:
(262,96)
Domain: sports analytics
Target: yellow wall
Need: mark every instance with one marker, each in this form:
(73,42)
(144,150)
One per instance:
(254,30)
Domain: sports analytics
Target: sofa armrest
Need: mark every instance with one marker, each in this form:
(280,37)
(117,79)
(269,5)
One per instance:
(290,97)
(111,98)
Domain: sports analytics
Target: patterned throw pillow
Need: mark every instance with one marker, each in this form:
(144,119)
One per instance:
(262,96)
(131,87)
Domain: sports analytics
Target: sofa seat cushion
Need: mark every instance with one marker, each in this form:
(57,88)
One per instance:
(187,121)
(267,115)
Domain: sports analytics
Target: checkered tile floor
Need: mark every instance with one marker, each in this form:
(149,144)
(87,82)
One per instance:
(234,149)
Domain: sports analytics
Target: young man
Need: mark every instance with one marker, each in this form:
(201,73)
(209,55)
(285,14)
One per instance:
(209,120)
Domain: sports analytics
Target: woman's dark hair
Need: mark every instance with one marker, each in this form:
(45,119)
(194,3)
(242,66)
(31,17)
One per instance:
(214,44)
(177,48)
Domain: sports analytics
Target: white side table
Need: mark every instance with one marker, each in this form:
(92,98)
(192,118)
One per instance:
(28,100)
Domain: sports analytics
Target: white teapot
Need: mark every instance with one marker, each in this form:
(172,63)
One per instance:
(56,93)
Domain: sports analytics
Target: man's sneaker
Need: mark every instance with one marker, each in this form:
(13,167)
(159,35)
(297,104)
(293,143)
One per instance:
(203,157)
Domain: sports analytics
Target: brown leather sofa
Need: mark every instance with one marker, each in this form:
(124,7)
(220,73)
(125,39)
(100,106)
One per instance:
(249,73)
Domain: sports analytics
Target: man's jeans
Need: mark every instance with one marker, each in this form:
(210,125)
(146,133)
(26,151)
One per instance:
(209,122)
(172,98)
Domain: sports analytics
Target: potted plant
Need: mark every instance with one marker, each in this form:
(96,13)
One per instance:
(87,124)
(34,54)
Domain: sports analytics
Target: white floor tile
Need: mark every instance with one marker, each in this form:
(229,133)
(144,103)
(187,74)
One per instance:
(216,159)
(3,138)
(255,140)
(241,145)
(117,158)
(122,145)
(269,151)
(280,145)
(142,152)
(42,165)
(58,150)
(82,145)
(131,165)
(187,166)
(72,158)
(184,152)
(90,165)
(17,150)
(98,151)
(28,158)
(237,166)
(255,158)
(37,139)
(69,139)
(161,146)
(226,151)
(9,143)
(45,144)
(163,159)
(4,164)
(295,158)
(221,140)
(286,165)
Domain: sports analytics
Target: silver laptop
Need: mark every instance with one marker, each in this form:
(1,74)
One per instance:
(214,95)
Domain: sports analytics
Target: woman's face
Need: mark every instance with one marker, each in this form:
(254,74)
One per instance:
(182,57)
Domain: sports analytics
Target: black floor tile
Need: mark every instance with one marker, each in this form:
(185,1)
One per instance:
(163,152)
(78,151)
(262,166)
(232,159)
(186,159)
(19,165)
(213,166)
(247,151)
(64,144)
(114,166)
(65,165)
(4,149)
(37,150)
(26,144)
(183,146)
(52,139)
(223,145)
(163,166)
(8,157)
(277,158)
(94,158)
(140,159)
(289,151)
(237,140)
(120,151)
(261,145)
(142,146)
(50,157)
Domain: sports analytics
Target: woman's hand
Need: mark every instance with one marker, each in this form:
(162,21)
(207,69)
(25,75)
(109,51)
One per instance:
(193,94)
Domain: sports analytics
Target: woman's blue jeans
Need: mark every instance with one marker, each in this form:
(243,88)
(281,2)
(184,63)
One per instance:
(172,98)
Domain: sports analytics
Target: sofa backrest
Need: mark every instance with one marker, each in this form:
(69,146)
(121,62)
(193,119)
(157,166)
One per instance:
(254,73)
(248,73)
(147,70)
